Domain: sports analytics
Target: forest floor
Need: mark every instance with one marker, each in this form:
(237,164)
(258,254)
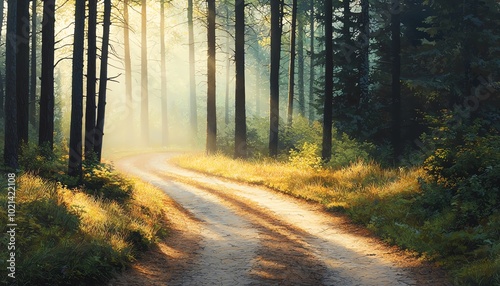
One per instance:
(227,233)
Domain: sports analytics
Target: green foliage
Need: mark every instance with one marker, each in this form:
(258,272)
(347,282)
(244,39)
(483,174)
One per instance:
(41,161)
(346,150)
(101,180)
(306,157)
(466,162)
(300,132)
(71,262)
(459,207)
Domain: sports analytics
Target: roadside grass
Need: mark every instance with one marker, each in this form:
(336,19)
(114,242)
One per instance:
(75,237)
(341,189)
(390,202)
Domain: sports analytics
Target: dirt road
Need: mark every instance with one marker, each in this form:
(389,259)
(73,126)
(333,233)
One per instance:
(233,234)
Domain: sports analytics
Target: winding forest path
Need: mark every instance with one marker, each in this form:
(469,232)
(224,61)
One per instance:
(226,233)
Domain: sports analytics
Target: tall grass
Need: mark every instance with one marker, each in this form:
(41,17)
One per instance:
(341,188)
(70,237)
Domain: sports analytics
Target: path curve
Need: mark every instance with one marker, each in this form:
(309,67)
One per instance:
(254,236)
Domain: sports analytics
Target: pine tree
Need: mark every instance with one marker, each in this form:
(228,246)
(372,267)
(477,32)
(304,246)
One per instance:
(326,152)
(164,107)
(75,136)
(193,114)
(276,14)
(240,143)
(291,69)
(90,106)
(211,95)
(11,145)
(22,70)
(144,76)
(46,125)
(103,80)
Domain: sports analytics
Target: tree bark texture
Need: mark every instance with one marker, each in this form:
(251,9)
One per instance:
(240,96)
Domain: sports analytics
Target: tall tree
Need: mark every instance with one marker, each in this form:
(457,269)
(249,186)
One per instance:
(33,62)
(193,116)
(275,77)
(103,80)
(240,142)
(312,75)
(364,67)
(326,152)
(11,145)
(144,75)
(22,69)
(46,124)
(228,61)
(75,135)
(90,106)
(300,60)
(396,77)
(211,108)
(291,69)
(128,63)
(258,85)
(164,111)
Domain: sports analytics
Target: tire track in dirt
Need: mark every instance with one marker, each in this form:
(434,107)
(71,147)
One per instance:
(282,241)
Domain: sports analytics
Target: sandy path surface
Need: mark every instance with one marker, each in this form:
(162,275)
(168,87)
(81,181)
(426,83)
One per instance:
(249,235)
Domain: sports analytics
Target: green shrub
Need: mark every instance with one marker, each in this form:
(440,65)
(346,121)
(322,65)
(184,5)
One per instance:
(306,157)
(346,151)
(459,207)
(466,162)
(41,161)
(102,180)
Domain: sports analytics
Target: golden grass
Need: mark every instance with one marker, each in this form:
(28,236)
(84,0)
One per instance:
(333,188)
(102,219)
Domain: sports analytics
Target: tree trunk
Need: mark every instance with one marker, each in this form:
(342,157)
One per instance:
(312,75)
(22,70)
(327,112)
(128,64)
(193,116)
(257,88)
(90,107)
(240,129)
(164,111)
(211,109)
(364,68)
(291,70)
(275,77)
(228,61)
(2,109)
(33,74)
(46,124)
(300,55)
(11,145)
(396,77)
(144,76)
(103,80)
(75,135)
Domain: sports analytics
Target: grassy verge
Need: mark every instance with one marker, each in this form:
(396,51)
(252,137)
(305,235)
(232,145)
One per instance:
(342,189)
(78,236)
(390,202)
